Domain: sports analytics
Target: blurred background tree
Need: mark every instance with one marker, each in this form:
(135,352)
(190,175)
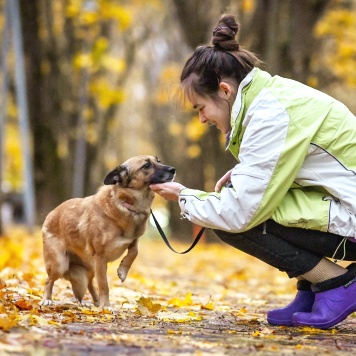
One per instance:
(103,76)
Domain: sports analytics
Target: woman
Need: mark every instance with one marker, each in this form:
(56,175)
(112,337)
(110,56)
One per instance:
(291,199)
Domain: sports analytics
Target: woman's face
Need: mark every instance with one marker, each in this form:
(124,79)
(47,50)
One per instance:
(215,112)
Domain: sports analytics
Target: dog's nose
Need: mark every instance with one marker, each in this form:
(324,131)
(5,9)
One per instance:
(172,170)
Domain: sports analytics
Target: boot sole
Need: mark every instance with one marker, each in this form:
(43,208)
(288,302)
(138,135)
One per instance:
(330,323)
(280,322)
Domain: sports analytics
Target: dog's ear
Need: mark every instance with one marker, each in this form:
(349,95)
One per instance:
(118,175)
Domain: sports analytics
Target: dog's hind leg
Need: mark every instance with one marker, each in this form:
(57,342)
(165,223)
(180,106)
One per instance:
(47,296)
(126,263)
(56,262)
(93,291)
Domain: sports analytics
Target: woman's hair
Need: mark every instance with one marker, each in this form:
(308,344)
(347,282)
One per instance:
(224,59)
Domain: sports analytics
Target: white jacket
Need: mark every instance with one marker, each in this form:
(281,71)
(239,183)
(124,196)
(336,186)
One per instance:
(296,153)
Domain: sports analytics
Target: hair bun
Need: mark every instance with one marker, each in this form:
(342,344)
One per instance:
(225,32)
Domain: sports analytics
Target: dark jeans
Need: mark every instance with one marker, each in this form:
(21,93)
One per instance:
(292,250)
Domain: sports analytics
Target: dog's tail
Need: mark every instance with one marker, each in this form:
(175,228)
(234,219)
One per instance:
(78,277)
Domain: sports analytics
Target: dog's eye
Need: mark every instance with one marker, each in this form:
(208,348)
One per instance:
(147,165)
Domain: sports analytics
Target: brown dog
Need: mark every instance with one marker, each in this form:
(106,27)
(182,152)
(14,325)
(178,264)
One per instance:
(81,236)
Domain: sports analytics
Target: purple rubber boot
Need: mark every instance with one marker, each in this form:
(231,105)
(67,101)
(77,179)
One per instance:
(303,302)
(331,306)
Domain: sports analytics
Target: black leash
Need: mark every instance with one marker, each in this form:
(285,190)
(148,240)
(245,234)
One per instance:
(164,237)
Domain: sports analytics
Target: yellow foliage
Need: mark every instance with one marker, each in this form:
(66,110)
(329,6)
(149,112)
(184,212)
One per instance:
(12,109)
(111,10)
(73,8)
(175,129)
(116,65)
(13,156)
(92,133)
(339,26)
(104,94)
(194,151)
(8,321)
(313,81)
(146,307)
(256,333)
(89,18)
(211,272)
(208,306)
(82,60)
(10,253)
(248,5)
(62,146)
(167,86)
(182,302)
(194,129)
(102,44)
(102,10)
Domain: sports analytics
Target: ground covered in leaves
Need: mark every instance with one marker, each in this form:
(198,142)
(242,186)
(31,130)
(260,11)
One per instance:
(212,301)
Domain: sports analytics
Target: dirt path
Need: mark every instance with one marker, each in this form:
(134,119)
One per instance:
(212,301)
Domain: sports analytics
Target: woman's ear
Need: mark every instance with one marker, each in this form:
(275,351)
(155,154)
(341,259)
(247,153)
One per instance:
(226,89)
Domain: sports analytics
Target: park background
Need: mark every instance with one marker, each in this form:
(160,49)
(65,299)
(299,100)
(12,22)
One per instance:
(86,84)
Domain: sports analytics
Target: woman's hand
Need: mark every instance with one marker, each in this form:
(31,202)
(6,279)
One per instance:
(226,178)
(169,190)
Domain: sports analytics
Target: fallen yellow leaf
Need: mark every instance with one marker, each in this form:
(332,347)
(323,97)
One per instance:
(146,307)
(209,306)
(2,284)
(187,301)
(256,333)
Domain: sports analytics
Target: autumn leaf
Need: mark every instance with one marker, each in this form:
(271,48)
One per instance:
(256,333)
(34,320)
(8,321)
(180,317)
(23,304)
(146,307)
(311,330)
(2,284)
(208,306)
(228,304)
(182,302)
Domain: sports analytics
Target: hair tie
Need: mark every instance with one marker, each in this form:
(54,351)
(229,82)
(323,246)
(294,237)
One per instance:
(216,29)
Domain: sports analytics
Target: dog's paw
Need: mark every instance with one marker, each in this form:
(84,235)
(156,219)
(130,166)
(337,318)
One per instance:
(122,273)
(46,302)
(107,309)
(85,304)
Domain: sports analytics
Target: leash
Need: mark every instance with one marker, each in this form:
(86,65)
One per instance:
(164,237)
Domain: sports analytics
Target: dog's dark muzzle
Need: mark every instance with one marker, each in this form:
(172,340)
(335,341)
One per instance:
(163,174)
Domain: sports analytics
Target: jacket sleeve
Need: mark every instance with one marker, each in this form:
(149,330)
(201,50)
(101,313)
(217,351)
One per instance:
(271,153)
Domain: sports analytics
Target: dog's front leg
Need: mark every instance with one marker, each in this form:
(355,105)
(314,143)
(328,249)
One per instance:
(126,263)
(100,274)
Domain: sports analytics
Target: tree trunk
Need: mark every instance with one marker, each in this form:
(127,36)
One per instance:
(44,112)
(280,32)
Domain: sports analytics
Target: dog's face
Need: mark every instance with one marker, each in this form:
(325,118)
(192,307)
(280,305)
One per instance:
(140,171)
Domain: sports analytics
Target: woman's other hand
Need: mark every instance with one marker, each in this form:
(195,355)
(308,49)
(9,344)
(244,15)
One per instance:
(225,179)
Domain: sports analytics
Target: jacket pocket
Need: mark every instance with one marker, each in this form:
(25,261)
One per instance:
(304,208)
